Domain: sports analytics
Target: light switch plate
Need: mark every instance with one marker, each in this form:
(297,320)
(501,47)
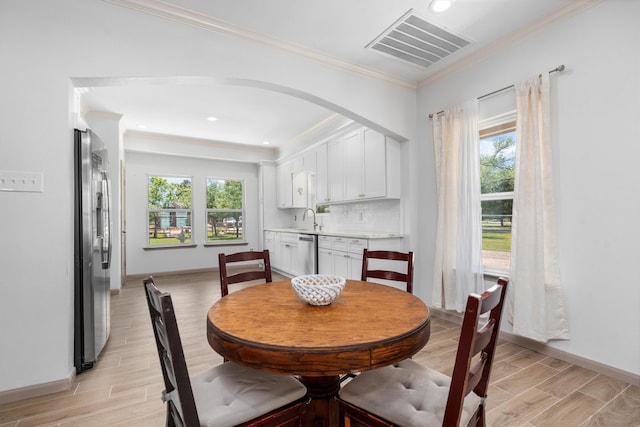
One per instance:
(21,181)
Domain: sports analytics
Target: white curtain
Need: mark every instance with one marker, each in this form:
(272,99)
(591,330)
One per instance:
(458,266)
(536,307)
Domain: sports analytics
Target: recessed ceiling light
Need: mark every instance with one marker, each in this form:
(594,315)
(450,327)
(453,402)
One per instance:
(212,119)
(265,142)
(141,126)
(440,5)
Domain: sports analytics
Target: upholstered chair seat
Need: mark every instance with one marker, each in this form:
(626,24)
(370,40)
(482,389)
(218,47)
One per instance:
(230,394)
(407,394)
(226,395)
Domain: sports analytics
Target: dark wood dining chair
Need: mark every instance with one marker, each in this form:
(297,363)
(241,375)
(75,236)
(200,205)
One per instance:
(225,395)
(244,276)
(410,395)
(400,275)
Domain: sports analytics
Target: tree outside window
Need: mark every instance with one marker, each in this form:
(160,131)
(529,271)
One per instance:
(169,210)
(225,210)
(497,173)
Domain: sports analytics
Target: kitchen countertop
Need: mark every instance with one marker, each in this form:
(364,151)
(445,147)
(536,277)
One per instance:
(354,234)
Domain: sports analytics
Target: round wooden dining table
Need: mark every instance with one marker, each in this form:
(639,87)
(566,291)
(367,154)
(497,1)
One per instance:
(267,327)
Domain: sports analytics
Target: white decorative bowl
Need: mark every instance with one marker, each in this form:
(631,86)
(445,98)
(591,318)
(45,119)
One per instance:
(318,289)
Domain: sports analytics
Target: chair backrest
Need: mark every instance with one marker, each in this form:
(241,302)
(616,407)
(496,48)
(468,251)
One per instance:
(474,340)
(399,276)
(174,367)
(245,276)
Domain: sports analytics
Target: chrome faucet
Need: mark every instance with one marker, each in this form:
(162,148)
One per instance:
(304,215)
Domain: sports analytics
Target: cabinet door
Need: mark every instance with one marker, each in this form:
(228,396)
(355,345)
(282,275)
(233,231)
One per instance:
(353,154)
(374,165)
(297,164)
(269,244)
(322,175)
(310,161)
(288,256)
(355,266)
(325,261)
(285,184)
(341,264)
(300,189)
(336,168)
(274,255)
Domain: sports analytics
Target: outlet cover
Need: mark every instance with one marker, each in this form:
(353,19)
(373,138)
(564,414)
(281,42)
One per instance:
(21,181)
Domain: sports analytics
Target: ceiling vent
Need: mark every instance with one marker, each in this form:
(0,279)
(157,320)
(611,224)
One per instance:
(415,40)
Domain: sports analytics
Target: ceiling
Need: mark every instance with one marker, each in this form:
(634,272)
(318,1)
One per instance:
(253,115)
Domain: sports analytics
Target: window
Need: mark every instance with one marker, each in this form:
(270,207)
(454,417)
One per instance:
(169,210)
(225,210)
(497,173)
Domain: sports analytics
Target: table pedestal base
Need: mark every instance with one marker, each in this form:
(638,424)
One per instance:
(323,409)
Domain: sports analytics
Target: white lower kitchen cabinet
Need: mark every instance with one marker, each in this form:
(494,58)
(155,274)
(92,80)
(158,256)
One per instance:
(288,253)
(270,245)
(338,255)
(342,256)
(347,264)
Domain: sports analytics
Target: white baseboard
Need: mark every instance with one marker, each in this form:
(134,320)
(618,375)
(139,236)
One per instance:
(37,389)
(131,278)
(547,350)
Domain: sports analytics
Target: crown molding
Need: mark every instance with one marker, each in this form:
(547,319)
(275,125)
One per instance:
(570,9)
(209,23)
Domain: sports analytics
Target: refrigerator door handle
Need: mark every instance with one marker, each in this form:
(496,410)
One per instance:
(106,221)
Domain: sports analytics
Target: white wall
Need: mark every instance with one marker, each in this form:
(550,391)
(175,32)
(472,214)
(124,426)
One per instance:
(595,110)
(46,44)
(151,261)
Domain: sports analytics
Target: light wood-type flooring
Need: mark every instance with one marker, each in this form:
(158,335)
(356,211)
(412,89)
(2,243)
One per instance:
(123,389)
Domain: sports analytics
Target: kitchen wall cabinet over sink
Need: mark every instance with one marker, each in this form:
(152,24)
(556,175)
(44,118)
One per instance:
(361,165)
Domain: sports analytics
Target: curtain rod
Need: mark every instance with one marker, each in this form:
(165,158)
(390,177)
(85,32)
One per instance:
(558,68)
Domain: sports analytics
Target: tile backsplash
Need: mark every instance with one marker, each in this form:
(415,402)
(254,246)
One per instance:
(374,215)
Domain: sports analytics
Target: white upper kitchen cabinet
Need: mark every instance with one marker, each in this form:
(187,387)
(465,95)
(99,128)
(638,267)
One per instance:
(303,193)
(296,181)
(378,180)
(371,166)
(306,162)
(354,161)
(336,170)
(322,174)
(293,187)
(360,165)
(284,175)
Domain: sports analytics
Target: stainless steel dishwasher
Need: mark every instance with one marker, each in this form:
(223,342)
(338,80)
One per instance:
(308,253)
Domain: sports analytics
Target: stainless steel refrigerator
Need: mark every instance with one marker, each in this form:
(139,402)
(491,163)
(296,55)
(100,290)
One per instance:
(92,226)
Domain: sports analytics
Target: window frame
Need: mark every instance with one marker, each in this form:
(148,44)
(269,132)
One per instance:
(488,128)
(207,210)
(189,212)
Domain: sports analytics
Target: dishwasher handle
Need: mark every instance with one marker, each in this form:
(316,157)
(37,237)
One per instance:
(306,238)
